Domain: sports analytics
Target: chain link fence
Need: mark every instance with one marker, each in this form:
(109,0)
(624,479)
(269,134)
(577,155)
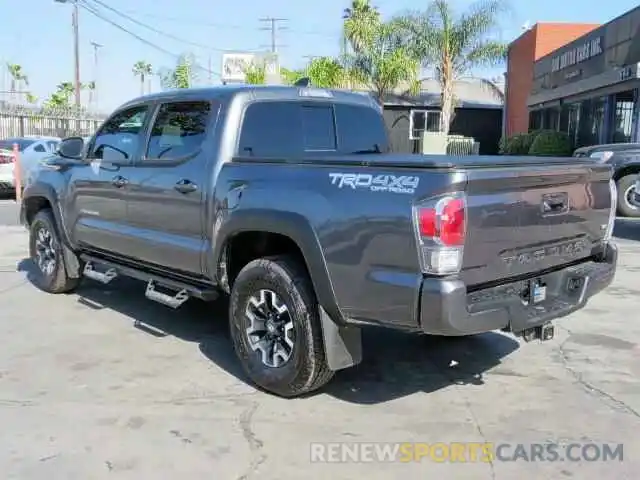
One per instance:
(20,121)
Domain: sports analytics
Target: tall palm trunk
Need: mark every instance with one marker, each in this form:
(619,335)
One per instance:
(446,82)
(142,84)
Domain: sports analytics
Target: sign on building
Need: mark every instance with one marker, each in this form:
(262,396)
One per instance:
(234,66)
(271,69)
(578,54)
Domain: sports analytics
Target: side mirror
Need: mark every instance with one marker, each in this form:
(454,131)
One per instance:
(71,148)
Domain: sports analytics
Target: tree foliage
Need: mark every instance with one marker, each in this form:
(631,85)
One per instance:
(327,72)
(452,44)
(61,98)
(182,76)
(378,58)
(255,75)
(143,70)
(360,24)
(18,76)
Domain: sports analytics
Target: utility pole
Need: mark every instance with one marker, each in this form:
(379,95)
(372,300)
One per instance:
(76,50)
(274,28)
(95,46)
(76,47)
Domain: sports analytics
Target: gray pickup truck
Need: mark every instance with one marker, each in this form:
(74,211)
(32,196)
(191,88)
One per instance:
(288,200)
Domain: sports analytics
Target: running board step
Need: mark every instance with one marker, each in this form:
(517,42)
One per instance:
(183,290)
(102,277)
(173,301)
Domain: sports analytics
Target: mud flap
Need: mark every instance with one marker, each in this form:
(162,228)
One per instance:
(71,262)
(342,344)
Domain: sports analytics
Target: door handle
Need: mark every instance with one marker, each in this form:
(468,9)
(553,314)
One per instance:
(119,181)
(185,186)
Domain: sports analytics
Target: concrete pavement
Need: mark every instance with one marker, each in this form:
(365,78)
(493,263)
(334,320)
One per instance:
(9,212)
(105,384)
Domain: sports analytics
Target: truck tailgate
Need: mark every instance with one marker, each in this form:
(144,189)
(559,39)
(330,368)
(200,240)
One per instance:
(529,218)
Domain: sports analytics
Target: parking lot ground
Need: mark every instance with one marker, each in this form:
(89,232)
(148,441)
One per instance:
(105,384)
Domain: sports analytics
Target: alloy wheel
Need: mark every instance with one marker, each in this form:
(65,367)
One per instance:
(629,197)
(45,252)
(270,331)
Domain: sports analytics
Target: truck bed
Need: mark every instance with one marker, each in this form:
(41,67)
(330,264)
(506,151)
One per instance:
(428,161)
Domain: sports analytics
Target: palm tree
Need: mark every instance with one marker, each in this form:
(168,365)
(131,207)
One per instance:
(91,86)
(142,69)
(61,97)
(18,77)
(378,61)
(359,21)
(453,44)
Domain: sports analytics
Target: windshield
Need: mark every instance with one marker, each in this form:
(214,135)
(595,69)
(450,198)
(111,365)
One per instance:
(22,143)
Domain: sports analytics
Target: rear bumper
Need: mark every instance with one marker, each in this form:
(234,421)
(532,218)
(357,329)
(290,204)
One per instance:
(447,308)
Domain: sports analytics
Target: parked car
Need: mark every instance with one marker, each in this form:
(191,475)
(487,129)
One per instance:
(32,150)
(287,200)
(625,160)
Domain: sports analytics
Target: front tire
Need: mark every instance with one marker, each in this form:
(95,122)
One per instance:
(275,327)
(46,252)
(626,188)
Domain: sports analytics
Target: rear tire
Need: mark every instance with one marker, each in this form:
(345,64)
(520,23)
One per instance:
(47,254)
(626,188)
(272,295)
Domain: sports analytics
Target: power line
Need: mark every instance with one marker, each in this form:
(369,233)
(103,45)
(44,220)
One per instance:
(83,4)
(206,23)
(155,30)
(273,28)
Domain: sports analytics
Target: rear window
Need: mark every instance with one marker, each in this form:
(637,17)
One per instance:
(360,129)
(22,143)
(284,129)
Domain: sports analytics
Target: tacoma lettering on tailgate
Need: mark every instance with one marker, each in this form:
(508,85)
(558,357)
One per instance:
(568,250)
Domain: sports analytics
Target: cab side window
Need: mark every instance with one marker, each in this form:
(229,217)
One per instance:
(271,129)
(179,130)
(119,138)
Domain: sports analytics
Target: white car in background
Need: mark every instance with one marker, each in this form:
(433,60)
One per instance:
(32,151)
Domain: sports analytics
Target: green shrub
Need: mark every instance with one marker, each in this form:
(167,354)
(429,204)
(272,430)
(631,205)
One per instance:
(502,145)
(517,144)
(549,143)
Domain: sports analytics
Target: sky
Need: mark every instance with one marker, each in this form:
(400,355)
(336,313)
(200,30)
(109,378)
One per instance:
(38,35)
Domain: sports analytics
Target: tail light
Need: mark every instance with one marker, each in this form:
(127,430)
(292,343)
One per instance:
(613,193)
(6,158)
(440,225)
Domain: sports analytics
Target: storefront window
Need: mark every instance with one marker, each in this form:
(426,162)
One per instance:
(573,120)
(535,120)
(564,118)
(551,118)
(591,121)
(623,115)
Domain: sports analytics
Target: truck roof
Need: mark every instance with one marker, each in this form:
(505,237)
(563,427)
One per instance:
(272,92)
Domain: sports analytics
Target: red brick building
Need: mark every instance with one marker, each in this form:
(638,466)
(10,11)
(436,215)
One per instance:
(537,42)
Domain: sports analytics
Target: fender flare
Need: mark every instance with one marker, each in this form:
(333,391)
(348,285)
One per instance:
(46,191)
(288,224)
(342,341)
